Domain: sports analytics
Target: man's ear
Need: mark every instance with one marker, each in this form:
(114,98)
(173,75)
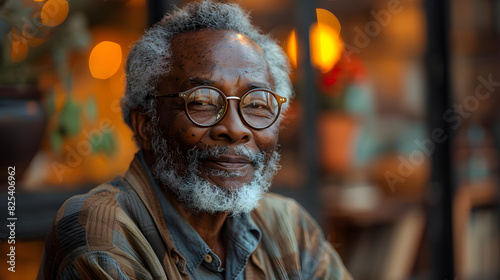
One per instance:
(141,123)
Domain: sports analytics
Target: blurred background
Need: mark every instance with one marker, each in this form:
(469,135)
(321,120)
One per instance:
(391,142)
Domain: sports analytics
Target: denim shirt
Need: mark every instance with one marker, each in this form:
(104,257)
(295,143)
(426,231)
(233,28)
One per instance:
(241,233)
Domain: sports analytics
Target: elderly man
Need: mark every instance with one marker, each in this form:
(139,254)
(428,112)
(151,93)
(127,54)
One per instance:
(204,97)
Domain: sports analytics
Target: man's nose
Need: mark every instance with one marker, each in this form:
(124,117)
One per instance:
(231,128)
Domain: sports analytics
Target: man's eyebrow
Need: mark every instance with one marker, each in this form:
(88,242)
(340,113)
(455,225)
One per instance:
(259,85)
(195,81)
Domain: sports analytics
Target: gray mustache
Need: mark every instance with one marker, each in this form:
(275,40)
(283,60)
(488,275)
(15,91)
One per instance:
(218,151)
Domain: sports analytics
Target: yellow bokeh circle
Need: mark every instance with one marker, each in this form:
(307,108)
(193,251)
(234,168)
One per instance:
(105,59)
(54,12)
(326,47)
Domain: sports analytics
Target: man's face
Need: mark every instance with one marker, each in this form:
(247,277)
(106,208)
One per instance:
(234,64)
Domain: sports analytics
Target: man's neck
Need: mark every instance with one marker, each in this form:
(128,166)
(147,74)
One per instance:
(208,226)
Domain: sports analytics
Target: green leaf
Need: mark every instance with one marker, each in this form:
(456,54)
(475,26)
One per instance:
(108,143)
(92,109)
(69,119)
(56,141)
(95,142)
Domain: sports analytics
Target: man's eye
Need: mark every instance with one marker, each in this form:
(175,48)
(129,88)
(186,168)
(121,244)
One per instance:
(199,103)
(257,105)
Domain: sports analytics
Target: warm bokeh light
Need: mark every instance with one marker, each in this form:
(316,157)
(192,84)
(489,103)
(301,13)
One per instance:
(105,59)
(326,47)
(325,17)
(19,47)
(292,48)
(54,12)
(325,42)
(34,41)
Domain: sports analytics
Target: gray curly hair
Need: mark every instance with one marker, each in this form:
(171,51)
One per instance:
(150,57)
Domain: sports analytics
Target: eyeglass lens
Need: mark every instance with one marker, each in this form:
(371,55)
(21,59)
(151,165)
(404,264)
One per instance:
(259,108)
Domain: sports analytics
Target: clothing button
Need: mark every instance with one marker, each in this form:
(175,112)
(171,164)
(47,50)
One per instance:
(208,258)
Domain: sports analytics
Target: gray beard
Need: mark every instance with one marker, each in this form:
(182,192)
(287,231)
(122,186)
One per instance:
(200,195)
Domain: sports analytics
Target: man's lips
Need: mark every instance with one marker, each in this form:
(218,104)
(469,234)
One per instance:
(228,162)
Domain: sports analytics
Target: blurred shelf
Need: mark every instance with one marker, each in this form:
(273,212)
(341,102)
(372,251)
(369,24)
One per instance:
(479,194)
(467,198)
(387,211)
(381,243)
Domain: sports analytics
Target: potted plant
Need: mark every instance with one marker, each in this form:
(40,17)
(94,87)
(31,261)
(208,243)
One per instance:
(34,40)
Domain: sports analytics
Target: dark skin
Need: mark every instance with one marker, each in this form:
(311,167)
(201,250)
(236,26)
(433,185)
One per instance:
(235,64)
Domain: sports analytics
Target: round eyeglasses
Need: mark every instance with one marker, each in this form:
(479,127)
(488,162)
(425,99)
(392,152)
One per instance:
(206,106)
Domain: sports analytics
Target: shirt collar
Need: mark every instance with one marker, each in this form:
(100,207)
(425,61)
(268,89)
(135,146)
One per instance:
(244,236)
